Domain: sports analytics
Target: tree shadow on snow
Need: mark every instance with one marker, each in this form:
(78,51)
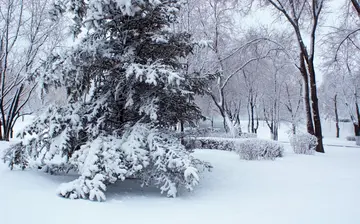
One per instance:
(132,188)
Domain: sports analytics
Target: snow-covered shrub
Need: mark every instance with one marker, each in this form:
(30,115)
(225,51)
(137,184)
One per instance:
(357,139)
(303,143)
(202,132)
(351,138)
(226,144)
(191,143)
(257,149)
(212,133)
(248,135)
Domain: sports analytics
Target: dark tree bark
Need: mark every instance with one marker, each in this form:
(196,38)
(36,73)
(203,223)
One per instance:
(252,118)
(356,5)
(1,130)
(336,117)
(309,120)
(276,134)
(272,124)
(11,117)
(293,129)
(356,129)
(249,117)
(315,107)
(252,115)
(357,124)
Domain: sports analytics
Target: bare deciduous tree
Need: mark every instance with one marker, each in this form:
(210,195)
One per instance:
(25,28)
(298,13)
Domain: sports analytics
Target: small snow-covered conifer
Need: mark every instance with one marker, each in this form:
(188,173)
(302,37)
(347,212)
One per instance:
(125,86)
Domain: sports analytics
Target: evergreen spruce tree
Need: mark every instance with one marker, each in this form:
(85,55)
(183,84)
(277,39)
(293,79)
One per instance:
(125,88)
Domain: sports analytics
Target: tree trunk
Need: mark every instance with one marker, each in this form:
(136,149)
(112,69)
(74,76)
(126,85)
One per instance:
(293,128)
(249,117)
(230,126)
(257,124)
(1,137)
(315,107)
(336,117)
(10,120)
(357,133)
(356,129)
(224,124)
(357,124)
(276,130)
(309,121)
(356,5)
(276,135)
(252,118)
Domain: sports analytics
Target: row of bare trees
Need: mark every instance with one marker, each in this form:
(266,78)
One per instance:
(270,73)
(26,33)
(301,15)
(232,57)
(245,60)
(341,86)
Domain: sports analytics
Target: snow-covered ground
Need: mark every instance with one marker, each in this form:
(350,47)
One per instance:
(319,189)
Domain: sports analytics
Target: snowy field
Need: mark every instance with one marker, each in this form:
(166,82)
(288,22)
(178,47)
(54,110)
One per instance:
(319,189)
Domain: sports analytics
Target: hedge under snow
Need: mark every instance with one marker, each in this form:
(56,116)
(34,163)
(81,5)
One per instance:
(257,149)
(351,138)
(303,143)
(226,144)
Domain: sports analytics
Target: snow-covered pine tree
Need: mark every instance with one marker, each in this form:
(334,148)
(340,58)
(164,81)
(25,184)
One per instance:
(125,88)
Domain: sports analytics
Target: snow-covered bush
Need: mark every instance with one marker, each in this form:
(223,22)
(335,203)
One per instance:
(229,135)
(303,143)
(206,138)
(213,132)
(204,132)
(257,149)
(351,138)
(248,135)
(357,139)
(226,144)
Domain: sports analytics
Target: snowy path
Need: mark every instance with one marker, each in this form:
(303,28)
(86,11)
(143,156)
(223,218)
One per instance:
(320,189)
